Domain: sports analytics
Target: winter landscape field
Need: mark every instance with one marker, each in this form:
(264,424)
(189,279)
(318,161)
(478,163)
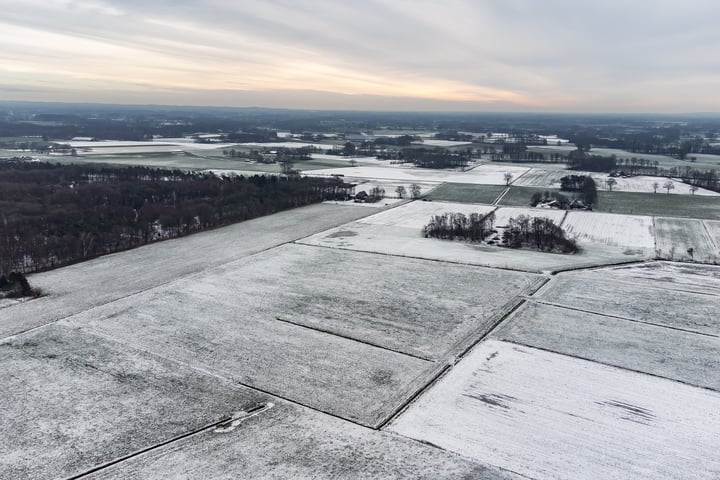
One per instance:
(303,339)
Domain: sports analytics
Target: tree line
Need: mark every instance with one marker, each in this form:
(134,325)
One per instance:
(53,215)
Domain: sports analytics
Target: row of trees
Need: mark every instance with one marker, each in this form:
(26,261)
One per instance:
(435,158)
(452,226)
(52,215)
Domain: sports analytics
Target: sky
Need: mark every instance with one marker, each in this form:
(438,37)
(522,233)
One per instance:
(634,56)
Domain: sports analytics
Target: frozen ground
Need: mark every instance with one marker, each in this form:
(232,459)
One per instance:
(323,328)
(627,231)
(397,231)
(292,442)
(686,310)
(547,415)
(488,174)
(78,287)
(675,236)
(632,345)
(71,401)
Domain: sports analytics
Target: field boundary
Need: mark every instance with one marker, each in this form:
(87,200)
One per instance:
(617,317)
(586,359)
(353,339)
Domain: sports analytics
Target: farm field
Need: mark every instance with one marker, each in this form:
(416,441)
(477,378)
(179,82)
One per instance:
(466,193)
(417,214)
(487,174)
(72,401)
(504,214)
(289,441)
(625,231)
(575,420)
(675,236)
(291,322)
(72,289)
(668,275)
(542,178)
(397,231)
(659,204)
(685,310)
(612,341)
(713,228)
(645,184)
(520,196)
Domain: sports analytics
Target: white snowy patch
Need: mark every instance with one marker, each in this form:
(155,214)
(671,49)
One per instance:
(547,415)
(631,231)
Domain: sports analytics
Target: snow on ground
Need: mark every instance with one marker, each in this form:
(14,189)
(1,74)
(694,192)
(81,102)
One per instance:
(626,231)
(391,187)
(550,178)
(653,304)
(398,231)
(116,147)
(115,276)
(442,143)
(674,236)
(504,214)
(293,442)
(671,275)
(417,214)
(547,415)
(321,146)
(488,174)
(340,158)
(644,184)
(613,341)
(544,178)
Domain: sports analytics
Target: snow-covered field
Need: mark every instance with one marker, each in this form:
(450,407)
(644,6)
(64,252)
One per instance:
(504,214)
(391,187)
(325,328)
(633,345)
(644,184)
(160,145)
(75,288)
(545,178)
(442,143)
(340,158)
(417,214)
(627,231)
(489,174)
(655,304)
(550,178)
(676,235)
(397,231)
(547,415)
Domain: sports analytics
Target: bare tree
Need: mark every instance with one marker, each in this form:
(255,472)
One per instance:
(610,182)
(655,186)
(669,185)
(693,189)
(400,190)
(415,190)
(508,178)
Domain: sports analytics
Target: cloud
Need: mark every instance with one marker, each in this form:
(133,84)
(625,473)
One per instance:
(556,55)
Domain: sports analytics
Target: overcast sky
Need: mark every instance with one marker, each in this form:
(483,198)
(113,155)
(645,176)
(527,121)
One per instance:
(469,55)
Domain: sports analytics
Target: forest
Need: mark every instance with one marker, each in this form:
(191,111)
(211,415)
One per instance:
(53,215)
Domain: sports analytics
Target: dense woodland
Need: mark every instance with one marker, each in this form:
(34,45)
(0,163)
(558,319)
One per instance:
(52,215)
(538,232)
(521,232)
